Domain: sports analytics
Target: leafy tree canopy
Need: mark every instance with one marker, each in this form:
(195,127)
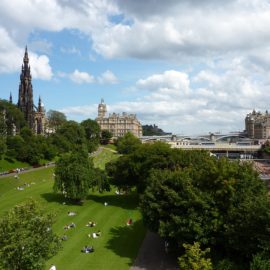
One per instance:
(92,133)
(194,258)
(74,175)
(55,119)
(106,136)
(69,136)
(13,116)
(26,238)
(219,203)
(128,143)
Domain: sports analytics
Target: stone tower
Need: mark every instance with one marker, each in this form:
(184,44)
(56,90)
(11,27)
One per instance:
(25,100)
(102,109)
(40,120)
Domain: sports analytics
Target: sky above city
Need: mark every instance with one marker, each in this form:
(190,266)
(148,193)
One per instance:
(188,66)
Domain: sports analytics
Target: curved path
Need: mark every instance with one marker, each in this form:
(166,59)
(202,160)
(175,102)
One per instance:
(152,255)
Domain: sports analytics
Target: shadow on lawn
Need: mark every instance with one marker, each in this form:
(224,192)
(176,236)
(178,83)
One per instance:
(124,240)
(53,197)
(58,198)
(129,201)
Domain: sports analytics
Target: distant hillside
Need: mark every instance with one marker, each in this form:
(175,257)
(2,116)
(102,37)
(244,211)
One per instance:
(150,130)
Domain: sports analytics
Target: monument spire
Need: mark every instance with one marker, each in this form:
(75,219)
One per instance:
(25,100)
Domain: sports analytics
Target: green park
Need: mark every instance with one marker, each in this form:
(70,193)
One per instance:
(210,213)
(118,244)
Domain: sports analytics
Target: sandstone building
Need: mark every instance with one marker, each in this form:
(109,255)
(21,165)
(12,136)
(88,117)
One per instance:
(258,125)
(118,124)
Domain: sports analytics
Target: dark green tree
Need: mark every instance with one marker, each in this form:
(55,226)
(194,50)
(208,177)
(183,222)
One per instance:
(218,203)
(68,137)
(26,238)
(133,169)
(55,119)
(13,116)
(106,136)
(74,175)
(128,143)
(92,133)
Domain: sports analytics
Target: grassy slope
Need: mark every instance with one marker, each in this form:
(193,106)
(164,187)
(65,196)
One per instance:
(9,164)
(118,245)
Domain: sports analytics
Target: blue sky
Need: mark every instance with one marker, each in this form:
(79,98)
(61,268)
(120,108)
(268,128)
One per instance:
(187,66)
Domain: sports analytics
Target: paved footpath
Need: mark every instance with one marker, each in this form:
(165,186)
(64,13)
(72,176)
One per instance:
(152,255)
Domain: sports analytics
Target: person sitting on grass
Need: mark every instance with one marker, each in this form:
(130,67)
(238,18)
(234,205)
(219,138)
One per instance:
(64,237)
(72,225)
(71,213)
(87,249)
(95,234)
(91,224)
(129,222)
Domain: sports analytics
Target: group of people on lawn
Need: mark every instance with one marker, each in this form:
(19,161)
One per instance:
(88,249)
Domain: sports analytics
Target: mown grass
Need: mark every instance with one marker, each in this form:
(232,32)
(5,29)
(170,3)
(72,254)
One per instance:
(118,245)
(7,164)
(104,156)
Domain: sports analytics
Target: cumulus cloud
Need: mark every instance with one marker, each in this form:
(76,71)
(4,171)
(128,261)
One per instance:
(170,82)
(193,102)
(81,77)
(225,45)
(107,78)
(11,58)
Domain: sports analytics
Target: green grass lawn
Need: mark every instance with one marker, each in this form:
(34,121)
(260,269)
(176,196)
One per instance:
(7,164)
(104,156)
(115,249)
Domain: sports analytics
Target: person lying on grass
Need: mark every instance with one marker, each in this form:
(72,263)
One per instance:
(91,224)
(95,234)
(87,249)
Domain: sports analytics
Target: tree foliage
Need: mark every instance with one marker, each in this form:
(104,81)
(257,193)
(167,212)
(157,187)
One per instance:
(133,169)
(13,116)
(194,258)
(68,137)
(92,133)
(74,174)
(219,203)
(128,143)
(55,119)
(106,136)
(189,196)
(26,238)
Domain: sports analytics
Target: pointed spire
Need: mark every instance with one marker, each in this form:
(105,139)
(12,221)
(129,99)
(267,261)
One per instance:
(25,58)
(10,98)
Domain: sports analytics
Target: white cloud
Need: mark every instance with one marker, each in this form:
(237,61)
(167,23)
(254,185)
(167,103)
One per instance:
(170,82)
(40,67)
(11,59)
(177,102)
(107,78)
(81,77)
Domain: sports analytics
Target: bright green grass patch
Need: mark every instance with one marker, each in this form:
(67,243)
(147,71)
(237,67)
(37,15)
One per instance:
(110,146)
(7,164)
(103,157)
(118,245)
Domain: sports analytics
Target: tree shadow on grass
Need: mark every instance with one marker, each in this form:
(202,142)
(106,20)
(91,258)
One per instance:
(129,201)
(58,198)
(125,241)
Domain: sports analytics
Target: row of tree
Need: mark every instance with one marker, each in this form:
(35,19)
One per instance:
(197,202)
(66,136)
